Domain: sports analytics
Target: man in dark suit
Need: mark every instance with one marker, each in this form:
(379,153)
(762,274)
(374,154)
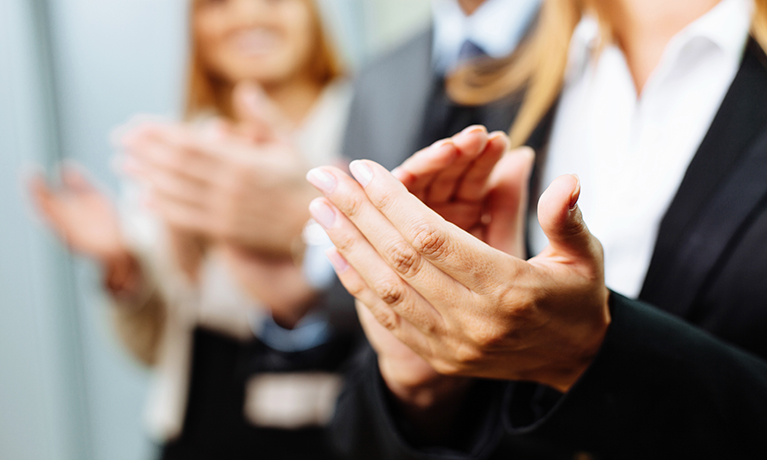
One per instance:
(404,91)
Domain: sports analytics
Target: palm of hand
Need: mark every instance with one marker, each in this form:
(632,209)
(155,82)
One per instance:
(81,215)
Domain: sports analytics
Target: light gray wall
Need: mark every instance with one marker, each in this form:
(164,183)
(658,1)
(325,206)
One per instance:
(70,71)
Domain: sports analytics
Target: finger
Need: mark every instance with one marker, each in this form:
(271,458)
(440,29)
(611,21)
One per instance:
(42,195)
(259,118)
(177,188)
(173,156)
(420,170)
(474,183)
(453,251)
(562,221)
(470,143)
(75,179)
(507,202)
(382,279)
(385,239)
(183,216)
(49,205)
(382,314)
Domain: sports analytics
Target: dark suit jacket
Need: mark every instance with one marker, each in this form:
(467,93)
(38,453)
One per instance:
(684,378)
(399,107)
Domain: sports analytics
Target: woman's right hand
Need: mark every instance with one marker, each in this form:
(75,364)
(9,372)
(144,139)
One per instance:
(80,214)
(86,220)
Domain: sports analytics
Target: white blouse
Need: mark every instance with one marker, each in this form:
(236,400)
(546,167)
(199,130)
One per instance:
(631,152)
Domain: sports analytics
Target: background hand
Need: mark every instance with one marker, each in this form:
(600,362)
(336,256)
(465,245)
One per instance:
(227,189)
(80,214)
(86,220)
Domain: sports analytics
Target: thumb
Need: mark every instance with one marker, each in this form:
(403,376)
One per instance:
(562,221)
(257,116)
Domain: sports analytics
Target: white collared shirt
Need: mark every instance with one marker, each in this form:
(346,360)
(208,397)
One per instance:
(496,27)
(631,152)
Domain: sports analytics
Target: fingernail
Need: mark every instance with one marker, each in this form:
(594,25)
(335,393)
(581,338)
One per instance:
(361,172)
(322,179)
(322,213)
(337,260)
(576,193)
(473,129)
(441,143)
(499,135)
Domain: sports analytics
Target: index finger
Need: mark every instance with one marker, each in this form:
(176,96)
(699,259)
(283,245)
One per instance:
(454,251)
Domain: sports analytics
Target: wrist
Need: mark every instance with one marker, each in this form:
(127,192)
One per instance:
(122,273)
(420,390)
(591,341)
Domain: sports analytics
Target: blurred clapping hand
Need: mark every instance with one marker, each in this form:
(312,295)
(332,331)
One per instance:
(233,186)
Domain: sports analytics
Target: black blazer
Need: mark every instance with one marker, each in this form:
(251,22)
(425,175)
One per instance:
(684,378)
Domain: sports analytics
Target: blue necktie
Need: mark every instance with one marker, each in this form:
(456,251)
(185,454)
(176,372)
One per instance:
(469,51)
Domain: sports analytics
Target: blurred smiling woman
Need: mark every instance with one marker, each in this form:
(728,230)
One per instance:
(204,261)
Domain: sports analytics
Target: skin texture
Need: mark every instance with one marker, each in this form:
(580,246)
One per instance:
(466,308)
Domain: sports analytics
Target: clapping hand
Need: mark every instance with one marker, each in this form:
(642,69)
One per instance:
(85,219)
(467,308)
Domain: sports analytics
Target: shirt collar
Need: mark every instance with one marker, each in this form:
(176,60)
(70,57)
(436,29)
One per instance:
(497,27)
(726,26)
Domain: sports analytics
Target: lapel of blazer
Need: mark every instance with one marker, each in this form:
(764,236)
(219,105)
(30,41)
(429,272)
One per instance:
(723,184)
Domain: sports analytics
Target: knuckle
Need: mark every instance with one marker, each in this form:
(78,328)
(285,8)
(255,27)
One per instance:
(391,292)
(445,367)
(403,257)
(485,338)
(385,199)
(429,241)
(353,205)
(356,290)
(344,242)
(467,353)
(386,317)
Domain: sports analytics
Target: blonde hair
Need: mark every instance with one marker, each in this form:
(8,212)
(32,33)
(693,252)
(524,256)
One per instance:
(538,67)
(206,92)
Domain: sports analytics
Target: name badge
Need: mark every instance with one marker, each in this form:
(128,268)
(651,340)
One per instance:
(293,400)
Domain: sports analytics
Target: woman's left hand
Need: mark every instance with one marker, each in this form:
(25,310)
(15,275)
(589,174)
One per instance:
(467,308)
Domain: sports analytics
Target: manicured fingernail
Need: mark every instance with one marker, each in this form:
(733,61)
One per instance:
(322,213)
(474,129)
(495,135)
(441,143)
(361,172)
(576,193)
(337,260)
(322,179)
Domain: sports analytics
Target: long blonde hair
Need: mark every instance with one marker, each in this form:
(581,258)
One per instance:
(206,92)
(538,67)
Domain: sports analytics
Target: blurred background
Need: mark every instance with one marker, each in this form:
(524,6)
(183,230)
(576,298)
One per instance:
(70,71)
